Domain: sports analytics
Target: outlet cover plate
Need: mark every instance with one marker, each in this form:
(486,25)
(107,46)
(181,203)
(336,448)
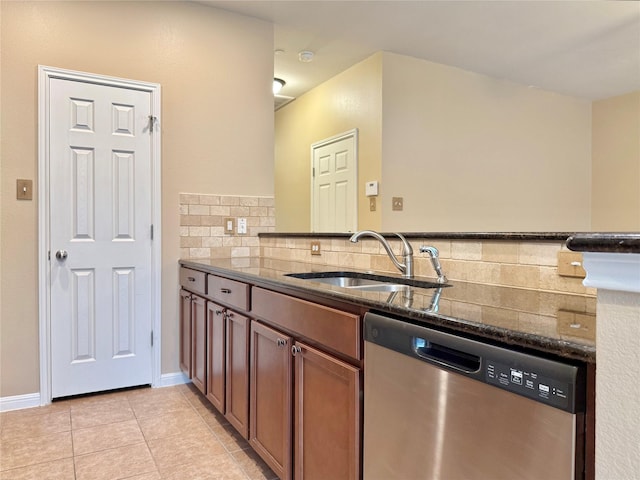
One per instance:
(397,203)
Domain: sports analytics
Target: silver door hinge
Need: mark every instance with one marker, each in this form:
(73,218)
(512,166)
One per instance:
(152,119)
(49,254)
(151,232)
(314,171)
(152,338)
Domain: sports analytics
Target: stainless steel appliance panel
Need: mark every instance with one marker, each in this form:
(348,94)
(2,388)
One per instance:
(426,421)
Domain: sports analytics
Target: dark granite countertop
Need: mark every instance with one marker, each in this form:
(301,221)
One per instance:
(512,236)
(554,323)
(605,242)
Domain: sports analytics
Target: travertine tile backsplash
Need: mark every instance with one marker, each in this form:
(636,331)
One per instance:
(202,233)
(522,264)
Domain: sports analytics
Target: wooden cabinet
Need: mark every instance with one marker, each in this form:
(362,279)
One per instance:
(288,379)
(198,343)
(327,416)
(185,332)
(193,338)
(271,398)
(314,392)
(237,371)
(216,352)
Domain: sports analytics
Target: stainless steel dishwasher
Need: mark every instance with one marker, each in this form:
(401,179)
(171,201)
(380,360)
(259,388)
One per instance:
(439,406)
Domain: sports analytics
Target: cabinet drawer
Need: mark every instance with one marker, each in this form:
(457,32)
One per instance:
(193,280)
(337,330)
(229,292)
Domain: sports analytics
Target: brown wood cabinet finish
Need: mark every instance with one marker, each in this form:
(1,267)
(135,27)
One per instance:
(271,398)
(335,329)
(216,355)
(193,280)
(327,416)
(198,343)
(185,332)
(237,372)
(229,292)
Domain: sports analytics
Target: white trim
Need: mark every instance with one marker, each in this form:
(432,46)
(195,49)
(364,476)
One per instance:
(612,271)
(19,402)
(341,136)
(45,74)
(171,379)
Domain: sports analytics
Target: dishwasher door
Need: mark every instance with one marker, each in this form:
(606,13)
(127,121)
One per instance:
(437,406)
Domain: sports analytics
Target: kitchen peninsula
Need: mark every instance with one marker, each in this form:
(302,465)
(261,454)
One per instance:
(550,317)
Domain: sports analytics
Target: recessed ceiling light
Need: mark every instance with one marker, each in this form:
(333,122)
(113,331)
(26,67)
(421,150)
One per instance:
(278,83)
(278,51)
(305,56)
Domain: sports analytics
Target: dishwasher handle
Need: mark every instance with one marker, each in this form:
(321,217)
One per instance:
(458,360)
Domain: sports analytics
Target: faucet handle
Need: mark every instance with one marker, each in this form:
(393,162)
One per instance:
(434,254)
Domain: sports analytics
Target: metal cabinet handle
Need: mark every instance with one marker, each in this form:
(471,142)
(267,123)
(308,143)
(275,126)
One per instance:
(219,312)
(295,349)
(281,342)
(225,290)
(191,279)
(62,255)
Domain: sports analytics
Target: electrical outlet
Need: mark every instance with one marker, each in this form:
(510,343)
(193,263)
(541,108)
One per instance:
(315,248)
(228,225)
(372,204)
(397,203)
(242,226)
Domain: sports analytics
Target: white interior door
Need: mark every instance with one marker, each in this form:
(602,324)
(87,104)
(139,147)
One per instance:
(335,183)
(100,187)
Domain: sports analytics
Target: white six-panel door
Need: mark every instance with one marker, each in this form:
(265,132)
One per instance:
(100,181)
(335,184)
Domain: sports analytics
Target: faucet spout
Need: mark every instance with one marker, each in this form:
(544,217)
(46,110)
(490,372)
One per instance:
(406,268)
(435,261)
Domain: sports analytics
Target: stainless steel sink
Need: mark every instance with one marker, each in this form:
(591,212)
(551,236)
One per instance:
(363,281)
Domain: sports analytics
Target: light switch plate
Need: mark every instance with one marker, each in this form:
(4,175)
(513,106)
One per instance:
(372,204)
(228,225)
(397,203)
(24,189)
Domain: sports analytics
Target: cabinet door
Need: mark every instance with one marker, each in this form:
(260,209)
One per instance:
(271,398)
(327,416)
(198,343)
(215,355)
(185,332)
(237,372)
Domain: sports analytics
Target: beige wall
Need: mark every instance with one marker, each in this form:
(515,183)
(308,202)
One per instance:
(200,56)
(474,153)
(616,164)
(352,99)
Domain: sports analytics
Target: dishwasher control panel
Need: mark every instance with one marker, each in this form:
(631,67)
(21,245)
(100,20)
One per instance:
(529,383)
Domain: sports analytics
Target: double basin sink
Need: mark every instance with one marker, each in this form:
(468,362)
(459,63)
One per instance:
(365,281)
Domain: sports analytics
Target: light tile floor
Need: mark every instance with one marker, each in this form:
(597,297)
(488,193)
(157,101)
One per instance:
(144,434)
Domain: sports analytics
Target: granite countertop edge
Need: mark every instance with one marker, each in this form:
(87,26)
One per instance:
(628,242)
(512,236)
(558,347)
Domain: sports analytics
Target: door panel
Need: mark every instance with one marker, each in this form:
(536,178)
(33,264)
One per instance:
(100,214)
(271,398)
(216,355)
(335,184)
(327,416)
(198,343)
(237,387)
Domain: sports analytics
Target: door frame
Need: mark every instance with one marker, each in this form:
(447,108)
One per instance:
(336,138)
(45,75)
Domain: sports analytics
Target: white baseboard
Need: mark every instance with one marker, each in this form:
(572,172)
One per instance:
(170,379)
(18,402)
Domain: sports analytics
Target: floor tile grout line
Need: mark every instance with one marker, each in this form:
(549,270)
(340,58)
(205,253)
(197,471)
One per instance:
(227,452)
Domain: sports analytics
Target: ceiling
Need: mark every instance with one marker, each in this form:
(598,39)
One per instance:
(588,49)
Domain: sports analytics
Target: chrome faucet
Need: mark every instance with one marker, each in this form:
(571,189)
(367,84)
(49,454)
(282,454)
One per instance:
(435,261)
(407,252)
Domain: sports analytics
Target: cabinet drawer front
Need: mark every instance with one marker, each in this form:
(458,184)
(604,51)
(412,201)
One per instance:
(229,292)
(193,280)
(337,330)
